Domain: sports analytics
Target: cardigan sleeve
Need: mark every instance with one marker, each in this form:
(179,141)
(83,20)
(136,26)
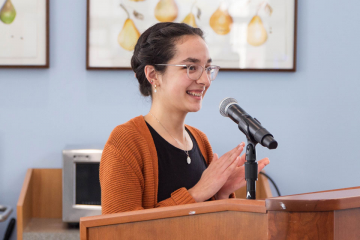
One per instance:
(122,188)
(178,197)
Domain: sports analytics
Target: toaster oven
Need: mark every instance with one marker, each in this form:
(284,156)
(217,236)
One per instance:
(81,185)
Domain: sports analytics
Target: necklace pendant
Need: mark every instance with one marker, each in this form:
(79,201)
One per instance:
(188,160)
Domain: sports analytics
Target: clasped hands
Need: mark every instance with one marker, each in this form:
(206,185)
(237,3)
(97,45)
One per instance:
(224,175)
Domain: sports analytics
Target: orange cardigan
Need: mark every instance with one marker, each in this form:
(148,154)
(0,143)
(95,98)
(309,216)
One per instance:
(129,169)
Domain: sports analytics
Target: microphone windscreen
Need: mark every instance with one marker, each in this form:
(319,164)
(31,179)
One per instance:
(224,104)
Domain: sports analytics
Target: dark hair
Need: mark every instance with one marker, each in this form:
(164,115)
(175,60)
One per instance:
(157,46)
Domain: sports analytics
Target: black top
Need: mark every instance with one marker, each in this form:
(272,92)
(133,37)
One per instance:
(174,171)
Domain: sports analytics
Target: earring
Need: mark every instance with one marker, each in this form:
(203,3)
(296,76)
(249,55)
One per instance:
(155,88)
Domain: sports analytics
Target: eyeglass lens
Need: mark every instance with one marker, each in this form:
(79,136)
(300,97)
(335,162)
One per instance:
(195,71)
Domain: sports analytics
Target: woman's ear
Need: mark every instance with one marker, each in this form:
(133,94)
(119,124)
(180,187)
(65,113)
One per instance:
(150,73)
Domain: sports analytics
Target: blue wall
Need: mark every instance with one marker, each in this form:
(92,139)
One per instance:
(313,113)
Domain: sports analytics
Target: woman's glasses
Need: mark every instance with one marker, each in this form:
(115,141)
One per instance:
(194,71)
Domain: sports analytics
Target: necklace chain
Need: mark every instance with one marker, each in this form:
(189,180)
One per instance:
(187,152)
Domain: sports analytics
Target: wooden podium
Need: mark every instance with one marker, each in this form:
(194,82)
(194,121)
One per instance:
(323,215)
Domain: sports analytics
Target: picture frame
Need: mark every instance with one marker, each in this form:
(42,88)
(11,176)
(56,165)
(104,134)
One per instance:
(242,35)
(24,38)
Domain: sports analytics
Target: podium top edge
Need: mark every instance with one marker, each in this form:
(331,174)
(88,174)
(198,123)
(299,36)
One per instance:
(331,200)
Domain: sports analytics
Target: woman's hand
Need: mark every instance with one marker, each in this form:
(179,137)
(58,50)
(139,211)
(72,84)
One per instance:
(216,175)
(237,179)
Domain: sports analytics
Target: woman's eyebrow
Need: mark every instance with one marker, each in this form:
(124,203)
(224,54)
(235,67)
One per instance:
(190,59)
(195,60)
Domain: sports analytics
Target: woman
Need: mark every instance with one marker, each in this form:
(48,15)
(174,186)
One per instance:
(156,160)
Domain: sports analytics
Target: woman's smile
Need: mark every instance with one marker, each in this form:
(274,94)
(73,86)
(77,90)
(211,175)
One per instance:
(197,94)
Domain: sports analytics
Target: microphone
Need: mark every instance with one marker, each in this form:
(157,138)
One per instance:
(251,127)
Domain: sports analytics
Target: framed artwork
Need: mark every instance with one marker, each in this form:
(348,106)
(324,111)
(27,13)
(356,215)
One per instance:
(24,38)
(242,35)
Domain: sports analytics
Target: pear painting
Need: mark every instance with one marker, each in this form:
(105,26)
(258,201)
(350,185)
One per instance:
(190,20)
(166,10)
(256,32)
(7,13)
(129,34)
(221,21)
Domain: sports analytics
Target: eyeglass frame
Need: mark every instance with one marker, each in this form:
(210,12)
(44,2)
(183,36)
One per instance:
(187,69)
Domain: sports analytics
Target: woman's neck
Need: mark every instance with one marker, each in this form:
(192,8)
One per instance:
(173,121)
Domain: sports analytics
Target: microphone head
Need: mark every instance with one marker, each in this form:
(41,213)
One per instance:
(225,104)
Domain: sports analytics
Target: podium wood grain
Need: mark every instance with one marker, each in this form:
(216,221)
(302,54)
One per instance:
(222,225)
(304,225)
(347,224)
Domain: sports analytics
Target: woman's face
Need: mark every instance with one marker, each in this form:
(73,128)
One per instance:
(176,89)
